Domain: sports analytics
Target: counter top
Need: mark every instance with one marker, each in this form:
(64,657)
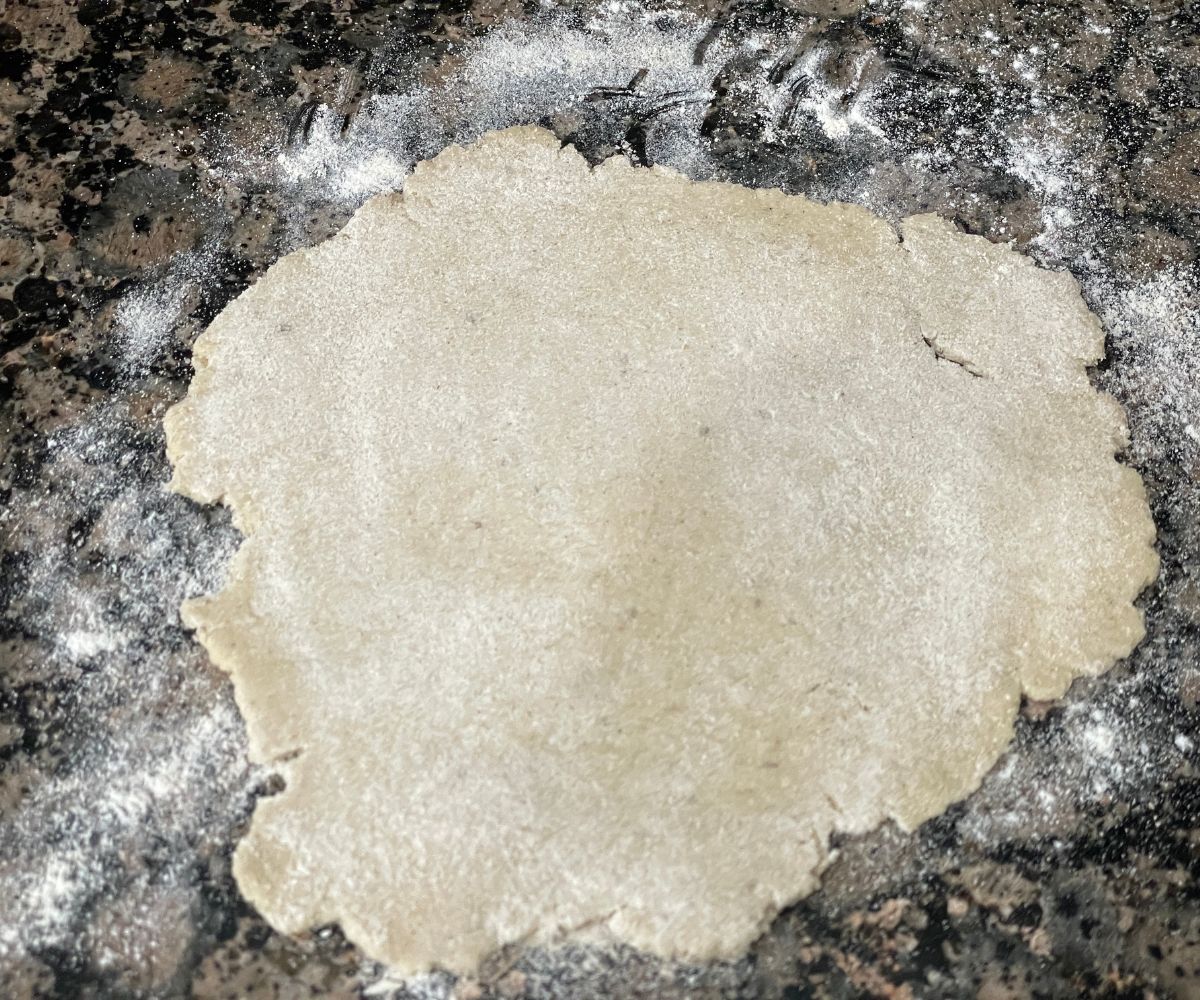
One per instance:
(156,157)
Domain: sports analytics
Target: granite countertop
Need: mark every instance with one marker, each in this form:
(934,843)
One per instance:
(156,157)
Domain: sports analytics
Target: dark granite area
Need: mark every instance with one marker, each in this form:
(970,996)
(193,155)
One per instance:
(155,157)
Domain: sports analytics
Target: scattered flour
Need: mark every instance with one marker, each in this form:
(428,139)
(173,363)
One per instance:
(618,64)
(520,72)
(170,773)
(1155,326)
(147,760)
(804,93)
(148,316)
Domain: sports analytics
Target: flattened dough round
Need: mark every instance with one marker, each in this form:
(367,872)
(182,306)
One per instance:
(612,539)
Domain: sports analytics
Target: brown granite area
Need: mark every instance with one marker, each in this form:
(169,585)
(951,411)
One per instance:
(140,191)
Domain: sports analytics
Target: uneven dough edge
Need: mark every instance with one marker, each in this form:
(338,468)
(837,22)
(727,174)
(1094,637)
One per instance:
(207,486)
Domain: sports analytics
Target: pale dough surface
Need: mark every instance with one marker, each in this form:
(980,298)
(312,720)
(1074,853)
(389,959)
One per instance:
(612,539)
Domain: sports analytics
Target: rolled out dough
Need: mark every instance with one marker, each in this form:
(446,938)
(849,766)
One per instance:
(612,539)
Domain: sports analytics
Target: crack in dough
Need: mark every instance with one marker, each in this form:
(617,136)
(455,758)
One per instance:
(612,539)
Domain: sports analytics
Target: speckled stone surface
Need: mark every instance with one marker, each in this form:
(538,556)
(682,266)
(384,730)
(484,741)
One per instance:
(117,121)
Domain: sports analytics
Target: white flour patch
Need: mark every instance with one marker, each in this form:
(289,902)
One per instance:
(620,64)
(83,644)
(1091,753)
(1155,324)
(156,765)
(109,800)
(148,315)
(350,169)
(520,72)
(806,91)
